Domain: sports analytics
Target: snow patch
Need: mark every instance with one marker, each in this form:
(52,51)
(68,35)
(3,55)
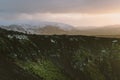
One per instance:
(21,37)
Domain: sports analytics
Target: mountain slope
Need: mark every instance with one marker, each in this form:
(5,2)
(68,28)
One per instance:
(37,29)
(11,71)
(63,57)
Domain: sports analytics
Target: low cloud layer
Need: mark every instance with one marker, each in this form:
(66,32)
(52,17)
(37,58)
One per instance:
(75,19)
(58,6)
(75,12)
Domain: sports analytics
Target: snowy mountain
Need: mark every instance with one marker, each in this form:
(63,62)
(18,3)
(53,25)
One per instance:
(40,28)
(51,28)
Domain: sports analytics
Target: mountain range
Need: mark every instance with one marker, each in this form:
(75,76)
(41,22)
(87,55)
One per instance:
(42,28)
(51,28)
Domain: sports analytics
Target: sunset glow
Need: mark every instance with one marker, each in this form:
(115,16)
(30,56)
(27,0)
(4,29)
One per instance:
(76,19)
(77,13)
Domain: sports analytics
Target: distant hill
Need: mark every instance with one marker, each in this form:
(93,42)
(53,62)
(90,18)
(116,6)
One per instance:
(60,29)
(106,31)
(41,28)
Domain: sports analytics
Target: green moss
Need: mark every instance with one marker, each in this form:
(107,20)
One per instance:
(84,61)
(45,69)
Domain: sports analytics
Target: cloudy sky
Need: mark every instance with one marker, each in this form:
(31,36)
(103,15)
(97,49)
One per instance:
(74,12)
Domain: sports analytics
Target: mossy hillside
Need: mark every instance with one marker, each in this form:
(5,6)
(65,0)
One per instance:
(102,66)
(63,57)
(45,69)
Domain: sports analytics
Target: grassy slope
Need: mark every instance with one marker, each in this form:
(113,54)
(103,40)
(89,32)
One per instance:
(61,57)
(10,71)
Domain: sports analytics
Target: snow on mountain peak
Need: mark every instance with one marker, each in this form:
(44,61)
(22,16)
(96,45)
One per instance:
(30,28)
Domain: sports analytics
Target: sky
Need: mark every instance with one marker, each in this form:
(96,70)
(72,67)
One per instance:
(74,12)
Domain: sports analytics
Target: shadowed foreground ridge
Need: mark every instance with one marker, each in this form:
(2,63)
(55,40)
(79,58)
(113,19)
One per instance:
(63,57)
(10,71)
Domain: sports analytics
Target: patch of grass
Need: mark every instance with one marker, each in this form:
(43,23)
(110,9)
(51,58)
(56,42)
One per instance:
(44,68)
(84,61)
